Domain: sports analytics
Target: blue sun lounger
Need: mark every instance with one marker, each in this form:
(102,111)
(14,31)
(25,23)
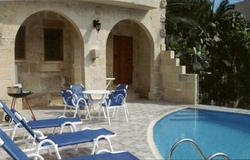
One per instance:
(17,154)
(38,124)
(13,150)
(66,139)
(122,155)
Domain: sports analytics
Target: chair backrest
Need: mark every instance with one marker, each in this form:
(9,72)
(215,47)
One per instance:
(67,97)
(26,126)
(8,112)
(11,148)
(117,97)
(121,86)
(77,90)
(78,96)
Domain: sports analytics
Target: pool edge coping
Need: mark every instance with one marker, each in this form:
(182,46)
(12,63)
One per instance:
(150,136)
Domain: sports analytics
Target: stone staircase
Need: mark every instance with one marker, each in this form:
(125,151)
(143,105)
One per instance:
(177,85)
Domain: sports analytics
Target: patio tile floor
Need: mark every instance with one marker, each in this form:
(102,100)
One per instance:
(131,135)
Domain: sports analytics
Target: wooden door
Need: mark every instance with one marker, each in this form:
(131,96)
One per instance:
(123,59)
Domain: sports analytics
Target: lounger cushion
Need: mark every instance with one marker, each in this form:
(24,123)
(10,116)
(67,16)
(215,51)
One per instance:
(107,156)
(47,123)
(78,137)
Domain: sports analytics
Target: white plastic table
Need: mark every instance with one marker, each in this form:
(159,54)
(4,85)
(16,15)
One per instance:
(96,97)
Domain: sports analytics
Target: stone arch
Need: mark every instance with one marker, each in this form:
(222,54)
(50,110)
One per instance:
(44,78)
(143,54)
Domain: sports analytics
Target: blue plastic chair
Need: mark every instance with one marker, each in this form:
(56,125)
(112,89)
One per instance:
(15,125)
(79,97)
(116,99)
(17,154)
(86,135)
(121,86)
(74,100)
(68,102)
(77,90)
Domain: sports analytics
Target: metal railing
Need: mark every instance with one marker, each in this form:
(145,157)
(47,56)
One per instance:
(198,150)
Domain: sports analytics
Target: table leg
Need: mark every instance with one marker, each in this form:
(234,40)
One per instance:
(100,105)
(13,103)
(98,101)
(33,116)
(109,81)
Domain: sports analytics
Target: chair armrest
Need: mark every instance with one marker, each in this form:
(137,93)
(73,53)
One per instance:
(33,155)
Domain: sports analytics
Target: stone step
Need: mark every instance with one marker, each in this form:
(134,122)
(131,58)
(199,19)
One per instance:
(132,95)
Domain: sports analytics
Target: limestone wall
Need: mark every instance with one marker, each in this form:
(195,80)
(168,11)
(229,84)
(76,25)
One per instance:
(156,74)
(80,38)
(137,4)
(243,7)
(45,78)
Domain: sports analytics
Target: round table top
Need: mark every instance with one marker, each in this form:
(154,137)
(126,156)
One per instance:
(110,78)
(96,91)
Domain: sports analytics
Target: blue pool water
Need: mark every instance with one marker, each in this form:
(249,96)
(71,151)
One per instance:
(213,131)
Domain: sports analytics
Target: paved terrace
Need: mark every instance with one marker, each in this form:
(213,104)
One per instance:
(131,136)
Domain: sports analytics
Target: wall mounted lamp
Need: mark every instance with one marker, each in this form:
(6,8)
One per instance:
(97,25)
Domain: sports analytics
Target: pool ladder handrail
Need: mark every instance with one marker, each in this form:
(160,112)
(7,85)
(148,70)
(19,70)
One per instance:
(197,148)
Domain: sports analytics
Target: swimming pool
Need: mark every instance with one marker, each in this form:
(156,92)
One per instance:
(213,131)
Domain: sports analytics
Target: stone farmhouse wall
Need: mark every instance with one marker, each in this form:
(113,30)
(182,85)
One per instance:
(243,7)
(142,20)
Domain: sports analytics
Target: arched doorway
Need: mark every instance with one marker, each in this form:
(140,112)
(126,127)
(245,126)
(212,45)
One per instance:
(51,56)
(130,44)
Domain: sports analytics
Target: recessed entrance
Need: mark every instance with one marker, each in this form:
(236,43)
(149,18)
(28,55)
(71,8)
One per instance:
(123,59)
